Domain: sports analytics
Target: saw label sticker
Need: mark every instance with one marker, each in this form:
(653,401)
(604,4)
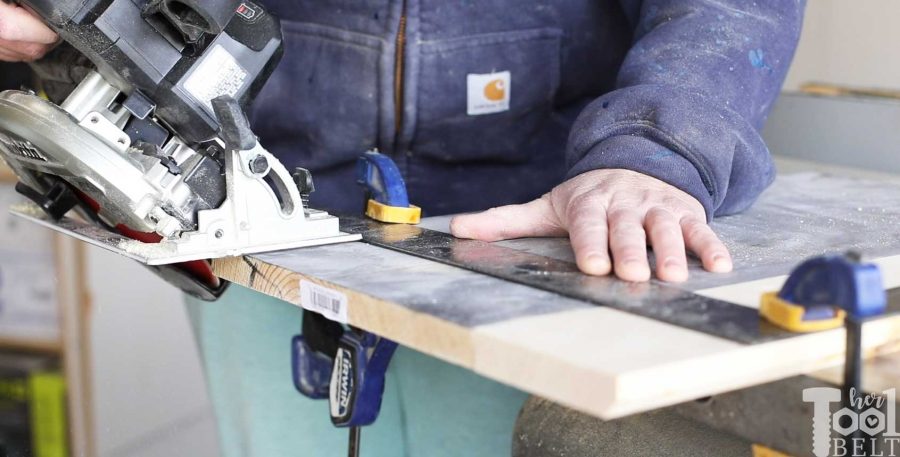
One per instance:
(320,299)
(219,74)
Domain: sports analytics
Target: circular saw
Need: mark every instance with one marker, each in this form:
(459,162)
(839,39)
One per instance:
(150,153)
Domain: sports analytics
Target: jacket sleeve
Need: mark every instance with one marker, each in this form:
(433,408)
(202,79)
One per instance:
(691,97)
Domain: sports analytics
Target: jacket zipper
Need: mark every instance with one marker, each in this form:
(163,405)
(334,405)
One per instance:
(400,46)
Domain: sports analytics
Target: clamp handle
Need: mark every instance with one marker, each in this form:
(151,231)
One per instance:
(311,369)
(357,382)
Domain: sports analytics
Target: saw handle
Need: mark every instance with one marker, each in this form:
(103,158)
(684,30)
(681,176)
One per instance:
(234,128)
(193,18)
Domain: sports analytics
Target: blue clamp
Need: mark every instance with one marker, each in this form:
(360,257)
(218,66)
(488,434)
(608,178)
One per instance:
(822,291)
(388,200)
(346,366)
(827,292)
(840,281)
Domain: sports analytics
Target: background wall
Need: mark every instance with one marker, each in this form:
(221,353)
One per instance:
(854,43)
(149,391)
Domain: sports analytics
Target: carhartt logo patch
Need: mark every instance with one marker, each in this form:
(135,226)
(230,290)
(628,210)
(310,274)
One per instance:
(488,93)
(495,90)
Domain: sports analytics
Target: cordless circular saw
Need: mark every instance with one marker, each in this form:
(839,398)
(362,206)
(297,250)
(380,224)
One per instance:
(151,147)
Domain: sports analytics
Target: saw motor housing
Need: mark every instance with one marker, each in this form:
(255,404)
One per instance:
(153,142)
(173,55)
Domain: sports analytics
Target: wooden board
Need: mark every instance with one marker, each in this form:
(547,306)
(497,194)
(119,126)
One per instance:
(598,360)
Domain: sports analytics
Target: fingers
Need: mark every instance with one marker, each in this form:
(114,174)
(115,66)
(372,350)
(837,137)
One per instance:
(668,244)
(535,218)
(628,243)
(702,241)
(9,56)
(18,24)
(589,234)
(609,233)
(23,37)
(17,51)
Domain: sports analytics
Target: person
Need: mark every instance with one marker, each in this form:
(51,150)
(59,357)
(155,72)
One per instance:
(619,123)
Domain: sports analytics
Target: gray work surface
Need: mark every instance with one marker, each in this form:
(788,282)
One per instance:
(533,339)
(811,209)
(801,215)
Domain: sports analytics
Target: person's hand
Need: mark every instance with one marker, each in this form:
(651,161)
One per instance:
(23,37)
(616,211)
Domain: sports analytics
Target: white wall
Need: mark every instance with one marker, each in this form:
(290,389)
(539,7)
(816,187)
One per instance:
(849,42)
(149,392)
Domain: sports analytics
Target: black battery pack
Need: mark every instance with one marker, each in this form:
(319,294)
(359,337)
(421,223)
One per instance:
(181,54)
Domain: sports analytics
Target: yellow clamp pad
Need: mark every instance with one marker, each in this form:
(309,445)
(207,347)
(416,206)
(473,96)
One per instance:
(763,451)
(393,214)
(790,316)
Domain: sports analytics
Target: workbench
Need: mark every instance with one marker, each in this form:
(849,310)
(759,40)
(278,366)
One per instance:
(603,361)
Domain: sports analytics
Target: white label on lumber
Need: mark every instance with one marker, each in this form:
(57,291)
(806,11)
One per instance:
(320,299)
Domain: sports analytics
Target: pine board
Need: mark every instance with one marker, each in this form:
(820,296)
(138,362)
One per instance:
(598,360)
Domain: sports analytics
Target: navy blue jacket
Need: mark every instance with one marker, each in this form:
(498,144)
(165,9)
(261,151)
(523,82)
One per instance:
(676,89)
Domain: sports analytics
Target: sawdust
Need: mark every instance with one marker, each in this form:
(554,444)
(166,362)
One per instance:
(28,209)
(803,215)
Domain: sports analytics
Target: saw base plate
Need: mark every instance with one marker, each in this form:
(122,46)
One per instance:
(155,254)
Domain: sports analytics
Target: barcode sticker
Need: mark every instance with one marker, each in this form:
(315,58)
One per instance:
(320,299)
